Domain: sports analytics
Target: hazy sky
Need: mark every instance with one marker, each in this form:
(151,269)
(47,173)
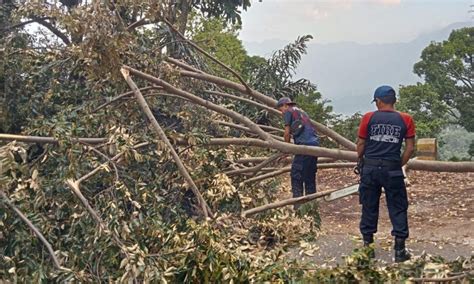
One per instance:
(362,21)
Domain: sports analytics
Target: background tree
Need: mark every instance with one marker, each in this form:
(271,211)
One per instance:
(430,112)
(448,67)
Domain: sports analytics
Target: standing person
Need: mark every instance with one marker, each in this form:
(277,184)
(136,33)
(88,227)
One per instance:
(304,167)
(381,135)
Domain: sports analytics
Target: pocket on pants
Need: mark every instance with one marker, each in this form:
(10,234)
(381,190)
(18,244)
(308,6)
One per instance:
(366,176)
(396,179)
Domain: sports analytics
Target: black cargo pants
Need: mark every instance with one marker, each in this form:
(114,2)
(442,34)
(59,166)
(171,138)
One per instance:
(373,178)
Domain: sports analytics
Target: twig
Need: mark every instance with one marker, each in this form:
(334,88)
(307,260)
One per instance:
(114,158)
(159,131)
(122,96)
(256,168)
(441,280)
(40,236)
(107,158)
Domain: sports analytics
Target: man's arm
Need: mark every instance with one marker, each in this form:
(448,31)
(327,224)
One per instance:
(287,134)
(409,149)
(360,147)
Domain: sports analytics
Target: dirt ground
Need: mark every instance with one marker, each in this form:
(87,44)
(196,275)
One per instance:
(441,217)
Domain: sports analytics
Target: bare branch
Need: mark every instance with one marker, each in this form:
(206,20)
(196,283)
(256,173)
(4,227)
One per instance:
(256,168)
(286,202)
(50,140)
(109,160)
(261,159)
(442,280)
(288,169)
(159,131)
(242,128)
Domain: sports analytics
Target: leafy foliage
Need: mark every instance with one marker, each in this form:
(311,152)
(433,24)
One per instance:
(347,126)
(427,108)
(54,78)
(448,68)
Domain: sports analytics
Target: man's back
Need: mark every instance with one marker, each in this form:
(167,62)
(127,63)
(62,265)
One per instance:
(308,136)
(384,132)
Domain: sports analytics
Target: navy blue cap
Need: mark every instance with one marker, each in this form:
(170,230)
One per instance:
(383,92)
(285,101)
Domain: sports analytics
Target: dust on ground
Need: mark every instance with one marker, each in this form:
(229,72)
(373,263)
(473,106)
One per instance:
(441,217)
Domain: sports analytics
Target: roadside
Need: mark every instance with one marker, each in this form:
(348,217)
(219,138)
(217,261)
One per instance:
(441,218)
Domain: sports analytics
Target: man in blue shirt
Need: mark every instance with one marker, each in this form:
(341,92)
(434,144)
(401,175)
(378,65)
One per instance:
(304,167)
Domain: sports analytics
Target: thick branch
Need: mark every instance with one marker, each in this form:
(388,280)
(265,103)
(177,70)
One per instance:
(268,101)
(202,102)
(159,131)
(288,169)
(34,229)
(286,202)
(288,159)
(50,140)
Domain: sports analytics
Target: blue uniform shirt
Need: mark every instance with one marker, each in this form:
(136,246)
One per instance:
(384,132)
(309,135)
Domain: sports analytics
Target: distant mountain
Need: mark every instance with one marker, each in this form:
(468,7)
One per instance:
(347,73)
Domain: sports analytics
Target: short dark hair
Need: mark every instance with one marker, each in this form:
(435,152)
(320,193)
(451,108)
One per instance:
(391,99)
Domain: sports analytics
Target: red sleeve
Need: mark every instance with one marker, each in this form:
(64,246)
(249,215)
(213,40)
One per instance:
(410,124)
(364,122)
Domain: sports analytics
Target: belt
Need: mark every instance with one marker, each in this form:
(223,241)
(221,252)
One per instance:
(381,163)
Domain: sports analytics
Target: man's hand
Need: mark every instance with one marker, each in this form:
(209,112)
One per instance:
(282,158)
(409,149)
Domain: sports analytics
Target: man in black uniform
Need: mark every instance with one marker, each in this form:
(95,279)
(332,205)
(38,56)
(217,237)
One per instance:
(381,135)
